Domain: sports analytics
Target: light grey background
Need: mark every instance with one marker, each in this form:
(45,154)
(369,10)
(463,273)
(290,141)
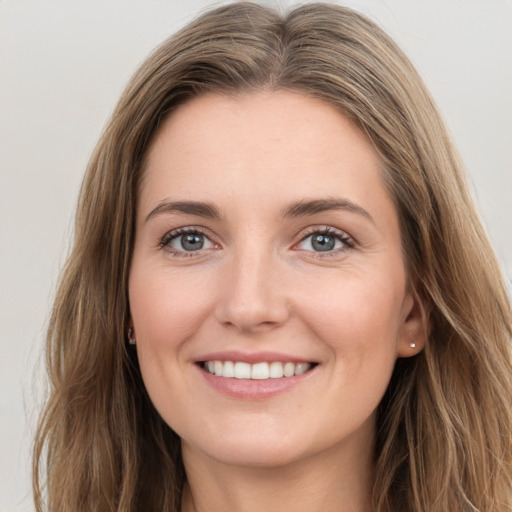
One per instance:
(63,65)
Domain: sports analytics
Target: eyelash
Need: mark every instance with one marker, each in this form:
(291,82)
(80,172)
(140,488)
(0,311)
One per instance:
(347,241)
(175,233)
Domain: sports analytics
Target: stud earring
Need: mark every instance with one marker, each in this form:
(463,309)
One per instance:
(131,339)
(412,345)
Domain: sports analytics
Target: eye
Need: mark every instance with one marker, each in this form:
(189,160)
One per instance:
(186,240)
(325,240)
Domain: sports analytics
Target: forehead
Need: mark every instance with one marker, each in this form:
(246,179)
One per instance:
(278,146)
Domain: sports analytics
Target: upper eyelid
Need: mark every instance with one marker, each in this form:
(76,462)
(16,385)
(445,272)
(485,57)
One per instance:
(174,233)
(185,229)
(326,229)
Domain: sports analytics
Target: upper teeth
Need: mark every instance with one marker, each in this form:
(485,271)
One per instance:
(239,370)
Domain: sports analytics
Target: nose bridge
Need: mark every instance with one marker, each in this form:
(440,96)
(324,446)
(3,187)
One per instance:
(251,293)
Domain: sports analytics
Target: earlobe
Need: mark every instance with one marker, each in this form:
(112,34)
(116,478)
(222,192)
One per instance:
(411,350)
(415,328)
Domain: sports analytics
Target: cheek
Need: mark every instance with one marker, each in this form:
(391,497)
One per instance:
(357,319)
(166,306)
(166,311)
(359,303)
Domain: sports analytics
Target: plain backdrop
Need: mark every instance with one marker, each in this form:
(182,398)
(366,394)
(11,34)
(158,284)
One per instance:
(63,65)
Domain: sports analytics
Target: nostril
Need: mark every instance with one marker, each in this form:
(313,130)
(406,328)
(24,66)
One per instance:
(249,299)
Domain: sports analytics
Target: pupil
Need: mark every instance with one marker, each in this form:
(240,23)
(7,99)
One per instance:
(192,242)
(323,243)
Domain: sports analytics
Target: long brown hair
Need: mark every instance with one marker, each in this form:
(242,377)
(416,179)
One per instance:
(444,426)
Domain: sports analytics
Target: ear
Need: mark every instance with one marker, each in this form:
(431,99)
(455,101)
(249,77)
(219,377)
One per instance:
(416,326)
(131,333)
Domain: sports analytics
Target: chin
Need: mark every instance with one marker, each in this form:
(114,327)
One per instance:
(243,449)
(258,455)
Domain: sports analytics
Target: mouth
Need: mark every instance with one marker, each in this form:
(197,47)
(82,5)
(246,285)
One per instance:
(256,371)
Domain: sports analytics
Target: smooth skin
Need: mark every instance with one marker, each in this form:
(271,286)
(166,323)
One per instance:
(292,246)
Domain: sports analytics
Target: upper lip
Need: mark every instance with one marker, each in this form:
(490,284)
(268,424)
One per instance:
(252,357)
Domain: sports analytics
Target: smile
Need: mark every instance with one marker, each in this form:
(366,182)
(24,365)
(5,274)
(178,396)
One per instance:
(257,371)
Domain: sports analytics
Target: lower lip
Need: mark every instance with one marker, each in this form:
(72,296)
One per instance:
(253,389)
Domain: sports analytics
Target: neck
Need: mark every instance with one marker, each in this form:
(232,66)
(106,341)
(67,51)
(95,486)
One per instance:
(338,480)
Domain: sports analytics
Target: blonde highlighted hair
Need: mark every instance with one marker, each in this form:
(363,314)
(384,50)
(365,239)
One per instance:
(444,425)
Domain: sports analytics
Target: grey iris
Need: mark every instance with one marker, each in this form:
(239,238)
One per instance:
(192,242)
(323,242)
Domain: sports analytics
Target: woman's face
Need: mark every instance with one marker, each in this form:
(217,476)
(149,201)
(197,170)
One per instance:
(268,290)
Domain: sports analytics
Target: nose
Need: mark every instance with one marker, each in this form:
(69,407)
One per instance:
(252,293)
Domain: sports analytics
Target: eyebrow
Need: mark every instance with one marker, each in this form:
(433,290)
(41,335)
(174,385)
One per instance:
(299,209)
(201,209)
(311,207)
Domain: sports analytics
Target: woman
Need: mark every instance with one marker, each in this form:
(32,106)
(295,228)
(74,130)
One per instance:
(280,295)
